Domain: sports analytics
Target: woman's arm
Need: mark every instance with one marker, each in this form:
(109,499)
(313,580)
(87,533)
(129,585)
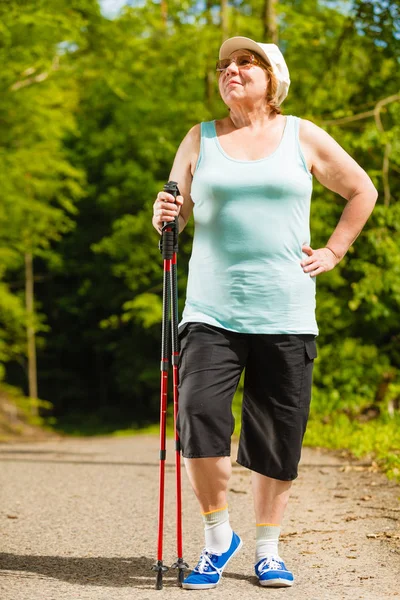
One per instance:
(339,172)
(165,207)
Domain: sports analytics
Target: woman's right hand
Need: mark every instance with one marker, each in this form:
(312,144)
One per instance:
(165,209)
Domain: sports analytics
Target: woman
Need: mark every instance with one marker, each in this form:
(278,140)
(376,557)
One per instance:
(251,294)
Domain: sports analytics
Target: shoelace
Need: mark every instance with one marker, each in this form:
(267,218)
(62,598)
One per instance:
(205,561)
(270,563)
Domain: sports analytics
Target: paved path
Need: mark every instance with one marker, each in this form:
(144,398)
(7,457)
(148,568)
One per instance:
(78,520)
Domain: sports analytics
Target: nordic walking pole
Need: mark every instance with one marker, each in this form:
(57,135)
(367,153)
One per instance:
(168,247)
(180,564)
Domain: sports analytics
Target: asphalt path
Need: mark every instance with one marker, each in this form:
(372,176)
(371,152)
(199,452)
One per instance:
(78,520)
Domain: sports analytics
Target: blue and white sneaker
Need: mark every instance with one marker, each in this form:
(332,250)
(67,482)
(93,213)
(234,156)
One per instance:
(271,572)
(208,571)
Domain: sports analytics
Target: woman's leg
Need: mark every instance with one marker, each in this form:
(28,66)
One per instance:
(209,479)
(212,360)
(270,498)
(277,394)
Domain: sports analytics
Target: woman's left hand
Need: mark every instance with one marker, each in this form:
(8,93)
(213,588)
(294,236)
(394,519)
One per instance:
(318,261)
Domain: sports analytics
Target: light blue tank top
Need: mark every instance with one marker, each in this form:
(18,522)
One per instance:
(251,220)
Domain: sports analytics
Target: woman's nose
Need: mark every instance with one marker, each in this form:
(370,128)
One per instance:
(233,68)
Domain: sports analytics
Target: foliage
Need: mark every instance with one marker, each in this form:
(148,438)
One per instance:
(378,440)
(39,185)
(16,418)
(92,113)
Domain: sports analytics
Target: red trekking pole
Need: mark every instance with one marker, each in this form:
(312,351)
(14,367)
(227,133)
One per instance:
(169,250)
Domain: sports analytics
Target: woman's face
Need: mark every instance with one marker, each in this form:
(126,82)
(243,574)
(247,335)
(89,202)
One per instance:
(242,85)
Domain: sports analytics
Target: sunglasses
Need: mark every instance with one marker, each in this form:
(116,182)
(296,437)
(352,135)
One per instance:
(243,61)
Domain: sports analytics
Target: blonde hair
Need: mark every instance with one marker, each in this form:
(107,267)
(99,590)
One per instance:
(272,85)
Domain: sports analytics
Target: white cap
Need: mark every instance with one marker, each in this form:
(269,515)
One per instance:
(272,55)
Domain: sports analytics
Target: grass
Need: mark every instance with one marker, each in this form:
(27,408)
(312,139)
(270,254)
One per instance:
(92,425)
(17,417)
(377,440)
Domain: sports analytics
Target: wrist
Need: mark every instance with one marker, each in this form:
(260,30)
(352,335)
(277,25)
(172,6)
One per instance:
(333,252)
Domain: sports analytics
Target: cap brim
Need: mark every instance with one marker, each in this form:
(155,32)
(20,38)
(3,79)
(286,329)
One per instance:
(238,43)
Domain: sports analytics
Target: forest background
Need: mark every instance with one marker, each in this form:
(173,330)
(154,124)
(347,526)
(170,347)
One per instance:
(94,103)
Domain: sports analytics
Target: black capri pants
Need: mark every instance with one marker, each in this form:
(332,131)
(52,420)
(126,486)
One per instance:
(276,399)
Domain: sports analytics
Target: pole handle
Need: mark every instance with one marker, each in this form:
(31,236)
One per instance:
(170,231)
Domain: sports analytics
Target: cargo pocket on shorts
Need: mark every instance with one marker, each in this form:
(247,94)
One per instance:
(311,349)
(310,353)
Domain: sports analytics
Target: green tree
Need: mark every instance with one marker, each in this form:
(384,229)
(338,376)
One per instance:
(40,186)
(128,90)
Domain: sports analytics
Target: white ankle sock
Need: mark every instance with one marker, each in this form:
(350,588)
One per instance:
(217,530)
(267,538)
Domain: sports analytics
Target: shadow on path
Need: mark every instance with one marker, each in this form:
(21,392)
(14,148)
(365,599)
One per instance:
(84,462)
(112,463)
(97,571)
(57,452)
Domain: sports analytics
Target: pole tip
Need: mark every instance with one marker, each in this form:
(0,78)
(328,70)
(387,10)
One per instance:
(160,568)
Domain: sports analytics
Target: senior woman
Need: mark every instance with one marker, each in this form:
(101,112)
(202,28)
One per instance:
(250,300)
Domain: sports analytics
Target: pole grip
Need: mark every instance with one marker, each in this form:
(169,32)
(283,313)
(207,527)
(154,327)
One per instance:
(170,231)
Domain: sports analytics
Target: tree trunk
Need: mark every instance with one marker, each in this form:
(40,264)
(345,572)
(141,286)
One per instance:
(224,20)
(30,332)
(164,12)
(210,73)
(270,22)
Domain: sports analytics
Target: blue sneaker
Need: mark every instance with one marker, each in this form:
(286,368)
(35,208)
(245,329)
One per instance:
(208,571)
(271,572)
